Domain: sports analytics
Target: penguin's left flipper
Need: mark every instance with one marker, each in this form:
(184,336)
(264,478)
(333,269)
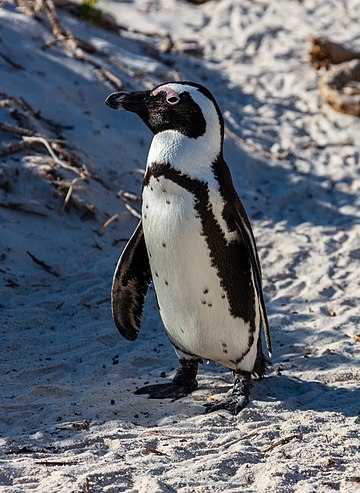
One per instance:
(236,399)
(131,281)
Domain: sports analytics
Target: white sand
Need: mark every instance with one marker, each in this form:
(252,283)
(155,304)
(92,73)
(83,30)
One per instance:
(62,360)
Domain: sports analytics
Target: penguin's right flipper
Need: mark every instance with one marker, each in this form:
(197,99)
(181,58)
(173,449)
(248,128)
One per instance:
(131,281)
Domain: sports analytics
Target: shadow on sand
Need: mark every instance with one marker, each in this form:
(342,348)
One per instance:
(297,394)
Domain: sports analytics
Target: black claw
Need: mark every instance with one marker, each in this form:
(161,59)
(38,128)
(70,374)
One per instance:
(233,404)
(237,399)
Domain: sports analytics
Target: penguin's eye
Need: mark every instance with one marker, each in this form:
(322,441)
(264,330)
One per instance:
(172,99)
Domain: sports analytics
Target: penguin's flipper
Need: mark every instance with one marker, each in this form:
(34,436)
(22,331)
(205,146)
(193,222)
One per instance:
(131,281)
(247,236)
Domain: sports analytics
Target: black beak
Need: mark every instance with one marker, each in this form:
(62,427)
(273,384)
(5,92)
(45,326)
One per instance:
(136,101)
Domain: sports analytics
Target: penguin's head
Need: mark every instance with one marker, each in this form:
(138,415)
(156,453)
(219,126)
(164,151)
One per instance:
(185,107)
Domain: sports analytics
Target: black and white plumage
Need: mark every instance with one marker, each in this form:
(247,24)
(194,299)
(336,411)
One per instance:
(195,243)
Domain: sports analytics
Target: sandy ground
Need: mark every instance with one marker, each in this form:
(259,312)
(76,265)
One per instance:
(69,419)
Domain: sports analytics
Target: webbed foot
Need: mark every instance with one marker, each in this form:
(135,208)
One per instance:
(182,385)
(168,390)
(236,399)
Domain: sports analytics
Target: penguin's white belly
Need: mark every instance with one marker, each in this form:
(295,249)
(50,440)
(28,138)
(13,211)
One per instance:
(193,305)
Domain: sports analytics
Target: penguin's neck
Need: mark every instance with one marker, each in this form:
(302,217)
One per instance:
(192,157)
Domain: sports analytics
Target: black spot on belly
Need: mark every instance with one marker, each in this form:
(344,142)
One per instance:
(223,296)
(164,244)
(225,351)
(144,216)
(147,206)
(156,274)
(209,304)
(166,283)
(205,291)
(167,201)
(203,302)
(224,344)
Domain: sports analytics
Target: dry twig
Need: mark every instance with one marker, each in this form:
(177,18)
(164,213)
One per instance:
(42,264)
(16,130)
(21,208)
(11,62)
(8,149)
(55,463)
(107,223)
(153,451)
(132,211)
(69,193)
(282,441)
(67,39)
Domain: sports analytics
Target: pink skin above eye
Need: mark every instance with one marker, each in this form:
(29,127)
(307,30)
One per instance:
(169,92)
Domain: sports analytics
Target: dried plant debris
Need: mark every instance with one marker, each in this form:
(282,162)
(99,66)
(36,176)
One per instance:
(43,265)
(197,2)
(339,86)
(282,441)
(47,152)
(65,38)
(90,55)
(53,463)
(25,132)
(325,53)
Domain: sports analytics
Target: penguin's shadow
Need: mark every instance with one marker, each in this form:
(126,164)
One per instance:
(283,193)
(297,394)
(291,394)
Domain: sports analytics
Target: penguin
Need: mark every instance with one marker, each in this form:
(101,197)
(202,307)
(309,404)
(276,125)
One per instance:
(195,243)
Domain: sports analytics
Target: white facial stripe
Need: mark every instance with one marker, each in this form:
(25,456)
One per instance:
(172,88)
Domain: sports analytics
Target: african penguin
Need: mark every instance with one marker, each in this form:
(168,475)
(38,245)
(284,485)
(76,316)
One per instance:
(195,243)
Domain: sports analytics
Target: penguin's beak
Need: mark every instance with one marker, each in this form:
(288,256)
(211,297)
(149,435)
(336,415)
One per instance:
(136,101)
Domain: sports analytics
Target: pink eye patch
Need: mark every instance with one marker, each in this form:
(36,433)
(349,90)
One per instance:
(169,92)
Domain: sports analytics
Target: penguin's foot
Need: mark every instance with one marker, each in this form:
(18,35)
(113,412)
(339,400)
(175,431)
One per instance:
(182,385)
(237,398)
(168,390)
